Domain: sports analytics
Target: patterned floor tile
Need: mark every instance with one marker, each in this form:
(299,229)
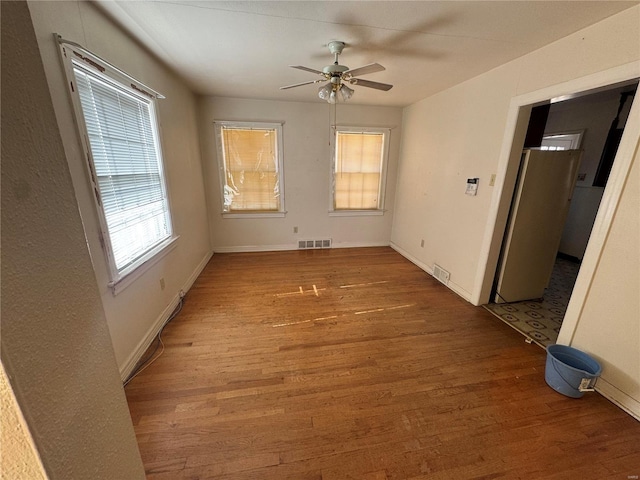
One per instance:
(540,320)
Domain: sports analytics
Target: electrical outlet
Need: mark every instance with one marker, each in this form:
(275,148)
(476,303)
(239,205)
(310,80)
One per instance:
(422,243)
(162,284)
(295,229)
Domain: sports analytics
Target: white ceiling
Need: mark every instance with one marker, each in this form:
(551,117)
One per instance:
(243,48)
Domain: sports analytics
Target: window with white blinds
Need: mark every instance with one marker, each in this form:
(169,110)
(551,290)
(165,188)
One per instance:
(359,167)
(250,167)
(125,167)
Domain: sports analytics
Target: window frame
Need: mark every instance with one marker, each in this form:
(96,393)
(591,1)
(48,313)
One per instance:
(386,133)
(73,55)
(219,125)
(574,136)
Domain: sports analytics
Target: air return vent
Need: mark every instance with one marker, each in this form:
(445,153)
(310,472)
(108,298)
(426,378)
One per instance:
(314,244)
(440,273)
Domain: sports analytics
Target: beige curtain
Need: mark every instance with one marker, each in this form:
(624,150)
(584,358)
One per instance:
(251,169)
(358,166)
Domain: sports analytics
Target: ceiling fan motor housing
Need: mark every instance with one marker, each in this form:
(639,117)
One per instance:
(334,69)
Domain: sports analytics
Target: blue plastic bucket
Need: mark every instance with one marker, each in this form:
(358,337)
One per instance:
(570,371)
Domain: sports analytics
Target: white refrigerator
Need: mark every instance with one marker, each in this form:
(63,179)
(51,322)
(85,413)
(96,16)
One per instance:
(538,213)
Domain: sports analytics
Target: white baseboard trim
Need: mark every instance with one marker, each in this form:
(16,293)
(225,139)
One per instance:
(253,248)
(360,244)
(142,346)
(451,285)
(619,398)
(276,248)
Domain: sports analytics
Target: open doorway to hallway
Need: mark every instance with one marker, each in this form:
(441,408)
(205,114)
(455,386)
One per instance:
(597,119)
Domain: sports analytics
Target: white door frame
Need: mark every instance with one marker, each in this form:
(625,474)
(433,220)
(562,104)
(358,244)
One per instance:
(517,122)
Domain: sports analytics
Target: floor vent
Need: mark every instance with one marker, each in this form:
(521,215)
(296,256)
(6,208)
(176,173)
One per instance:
(440,273)
(314,244)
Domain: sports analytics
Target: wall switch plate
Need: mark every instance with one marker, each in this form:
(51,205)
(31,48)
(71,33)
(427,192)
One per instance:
(295,229)
(492,182)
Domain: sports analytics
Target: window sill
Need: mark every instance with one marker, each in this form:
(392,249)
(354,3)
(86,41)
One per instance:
(150,259)
(355,213)
(255,215)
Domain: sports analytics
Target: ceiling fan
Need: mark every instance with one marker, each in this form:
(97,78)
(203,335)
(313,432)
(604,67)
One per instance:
(339,75)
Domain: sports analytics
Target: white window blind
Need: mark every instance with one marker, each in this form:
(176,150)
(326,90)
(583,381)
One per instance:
(358,170)
(127,167)
(251,167)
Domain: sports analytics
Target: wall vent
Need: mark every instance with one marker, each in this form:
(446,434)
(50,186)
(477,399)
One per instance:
(314,244)
(441,274)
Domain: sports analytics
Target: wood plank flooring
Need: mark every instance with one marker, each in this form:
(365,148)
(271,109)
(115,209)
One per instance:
(355,364)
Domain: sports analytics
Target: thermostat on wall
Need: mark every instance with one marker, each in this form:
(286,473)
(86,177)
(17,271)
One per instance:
(472,186)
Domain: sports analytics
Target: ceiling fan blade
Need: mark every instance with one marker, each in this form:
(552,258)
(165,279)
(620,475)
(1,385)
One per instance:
(300,84)
(306,69)
(371,68)
(368,83)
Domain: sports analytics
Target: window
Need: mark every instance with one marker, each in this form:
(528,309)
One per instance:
(561,141)
(250,160)
(359,168)
(118,127)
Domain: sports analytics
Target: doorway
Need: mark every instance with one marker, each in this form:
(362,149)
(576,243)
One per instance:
(541,319)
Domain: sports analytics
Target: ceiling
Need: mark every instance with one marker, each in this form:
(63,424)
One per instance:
(244,48)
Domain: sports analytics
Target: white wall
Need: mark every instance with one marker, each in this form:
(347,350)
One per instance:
(593,114)
(460,133)
(448,138)
(132,322)
(307,154)
(55,342)
(613,304)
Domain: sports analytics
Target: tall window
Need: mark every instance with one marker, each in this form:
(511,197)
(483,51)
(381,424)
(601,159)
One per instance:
(250,158)
(125,165)
(359,169)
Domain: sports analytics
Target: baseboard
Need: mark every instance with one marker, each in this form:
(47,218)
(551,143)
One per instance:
(254,248)
(275,248)
(360,244)
(143,345)
(619,398)
(457,289)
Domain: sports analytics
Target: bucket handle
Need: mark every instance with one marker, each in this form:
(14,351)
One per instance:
(586,384)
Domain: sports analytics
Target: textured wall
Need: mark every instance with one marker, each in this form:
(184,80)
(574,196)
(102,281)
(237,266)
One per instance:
(18,457)
(56,347)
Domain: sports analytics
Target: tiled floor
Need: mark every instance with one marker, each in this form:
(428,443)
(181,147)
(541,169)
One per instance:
(540,320)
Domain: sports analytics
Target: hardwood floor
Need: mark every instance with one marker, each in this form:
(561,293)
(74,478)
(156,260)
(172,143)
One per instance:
(355,364)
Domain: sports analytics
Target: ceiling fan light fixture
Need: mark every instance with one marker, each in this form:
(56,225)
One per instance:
(346,92)
(325,91)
